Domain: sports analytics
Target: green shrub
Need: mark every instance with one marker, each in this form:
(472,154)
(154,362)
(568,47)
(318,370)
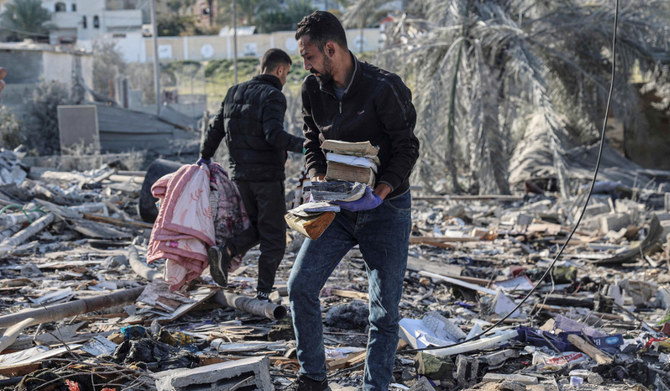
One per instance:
(42,131)
(10,129)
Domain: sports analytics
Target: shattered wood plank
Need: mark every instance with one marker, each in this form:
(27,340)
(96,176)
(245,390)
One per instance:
(32,355)
(198,296)
(97,230)
(552,308)
(442,239)
(483,197)
(72,212)
(12,333)
(350,294)
(136,179)
(652,242)
(118,222)
(589,349)
(429,241)
(418,265)
(27,232)
(13,370)
(458,282)
(348,361)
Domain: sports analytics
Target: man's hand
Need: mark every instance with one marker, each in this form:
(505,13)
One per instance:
(319,178)
(382,190)
(3,73)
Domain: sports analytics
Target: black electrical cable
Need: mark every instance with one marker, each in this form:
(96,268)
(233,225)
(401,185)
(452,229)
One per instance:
(574,229)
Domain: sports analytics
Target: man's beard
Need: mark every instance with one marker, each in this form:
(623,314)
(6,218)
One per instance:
(327,75)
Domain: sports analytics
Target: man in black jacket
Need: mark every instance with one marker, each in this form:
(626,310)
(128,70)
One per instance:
(251,118)
(345,99)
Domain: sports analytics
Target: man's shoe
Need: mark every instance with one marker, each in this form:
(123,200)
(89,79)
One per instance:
(306,384)
(263,296)
(219,262)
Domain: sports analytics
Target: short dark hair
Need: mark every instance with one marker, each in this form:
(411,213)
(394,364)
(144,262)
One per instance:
(321,27)
(274,58)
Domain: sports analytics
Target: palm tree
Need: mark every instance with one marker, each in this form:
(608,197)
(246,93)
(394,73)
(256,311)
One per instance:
(500,84)
(26,19)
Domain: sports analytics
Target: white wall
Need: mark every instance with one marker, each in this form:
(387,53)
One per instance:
(58,67)
(202,48)
(130,45)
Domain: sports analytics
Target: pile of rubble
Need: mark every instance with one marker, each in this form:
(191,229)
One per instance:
(81,310)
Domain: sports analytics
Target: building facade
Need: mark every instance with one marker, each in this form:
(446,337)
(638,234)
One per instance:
(88,20)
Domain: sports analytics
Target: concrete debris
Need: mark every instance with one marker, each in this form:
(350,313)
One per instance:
(73,272)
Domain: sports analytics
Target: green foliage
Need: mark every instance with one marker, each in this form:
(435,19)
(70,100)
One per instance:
(26,19)
(247,10)
(501,87)
(173,25)
(42,132)
(177,5)
(10,129)
(284,19)
(107,65)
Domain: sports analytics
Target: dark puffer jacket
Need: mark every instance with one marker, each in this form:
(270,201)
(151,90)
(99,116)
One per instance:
(375,107)
(251,118)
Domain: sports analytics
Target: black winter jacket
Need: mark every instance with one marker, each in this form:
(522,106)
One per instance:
(377,107)
(251,118)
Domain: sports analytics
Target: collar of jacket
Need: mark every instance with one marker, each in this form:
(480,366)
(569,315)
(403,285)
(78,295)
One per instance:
(329,87)
(270,79)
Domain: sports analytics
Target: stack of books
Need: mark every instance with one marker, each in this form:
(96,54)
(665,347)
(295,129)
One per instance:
(351,161)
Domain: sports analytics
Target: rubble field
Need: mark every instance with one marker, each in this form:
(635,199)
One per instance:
(81,310)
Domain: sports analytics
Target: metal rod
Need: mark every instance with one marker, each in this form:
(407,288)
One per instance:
(157,78)
(235,39)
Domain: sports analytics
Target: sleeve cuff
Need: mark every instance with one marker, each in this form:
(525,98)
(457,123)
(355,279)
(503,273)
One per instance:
(314,172)
(387,184)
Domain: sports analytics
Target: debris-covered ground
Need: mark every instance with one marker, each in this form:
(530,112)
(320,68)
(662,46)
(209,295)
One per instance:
(98,318)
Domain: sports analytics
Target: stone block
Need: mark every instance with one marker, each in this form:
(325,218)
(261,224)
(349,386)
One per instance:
(245,373)
(466,370)
(497,358)
(78,125)
(500,377)
(615,222)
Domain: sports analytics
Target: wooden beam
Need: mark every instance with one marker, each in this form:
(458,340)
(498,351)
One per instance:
(117,222)
(589,349)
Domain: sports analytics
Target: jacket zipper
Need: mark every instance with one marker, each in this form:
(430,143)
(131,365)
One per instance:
(340,106)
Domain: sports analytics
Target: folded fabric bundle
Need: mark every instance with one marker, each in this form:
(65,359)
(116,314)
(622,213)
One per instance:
(337,191)
(312,208)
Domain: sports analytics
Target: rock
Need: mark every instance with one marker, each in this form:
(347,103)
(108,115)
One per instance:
(432,366)
(350,316)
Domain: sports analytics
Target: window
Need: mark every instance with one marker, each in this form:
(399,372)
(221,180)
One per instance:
(96,22)
(84,22)
(60,7)
(74,7)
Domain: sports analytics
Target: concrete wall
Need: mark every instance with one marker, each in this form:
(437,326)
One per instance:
(23,67)
(58,67)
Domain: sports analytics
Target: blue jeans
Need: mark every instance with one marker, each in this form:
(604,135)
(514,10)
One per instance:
(383,238)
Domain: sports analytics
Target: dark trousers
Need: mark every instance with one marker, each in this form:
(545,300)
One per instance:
(265,204)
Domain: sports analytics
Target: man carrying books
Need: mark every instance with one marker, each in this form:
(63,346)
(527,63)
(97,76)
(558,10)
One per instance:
(251,118)
(348,100)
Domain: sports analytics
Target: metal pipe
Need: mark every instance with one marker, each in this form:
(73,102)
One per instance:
(61,311)
(235,39)
(157,77)
(250,305)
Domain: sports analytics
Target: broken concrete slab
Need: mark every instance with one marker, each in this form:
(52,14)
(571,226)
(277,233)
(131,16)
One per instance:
(244,373)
